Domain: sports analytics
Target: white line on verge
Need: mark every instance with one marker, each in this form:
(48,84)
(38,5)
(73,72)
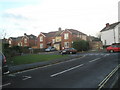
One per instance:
(94,60)
(5,85)
(66,70)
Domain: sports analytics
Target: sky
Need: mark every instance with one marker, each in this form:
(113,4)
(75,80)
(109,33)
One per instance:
(34,16)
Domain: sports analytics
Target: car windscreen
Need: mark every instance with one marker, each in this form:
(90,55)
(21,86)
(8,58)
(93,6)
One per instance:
(115,45)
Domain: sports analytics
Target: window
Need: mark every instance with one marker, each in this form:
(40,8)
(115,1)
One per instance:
(41,45)
(21,44)
(66,44)
(25,40)
(53,40)
(18,44)
(66,36)
(41,38)
(10,42)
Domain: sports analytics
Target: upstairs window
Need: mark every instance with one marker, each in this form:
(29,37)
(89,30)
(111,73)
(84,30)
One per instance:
(53,40)
(10,42)
(66,36)
(25,40)
(41,38)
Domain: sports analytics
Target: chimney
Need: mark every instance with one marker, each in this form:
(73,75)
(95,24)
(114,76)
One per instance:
(25,34)
(59,29)
(107,24)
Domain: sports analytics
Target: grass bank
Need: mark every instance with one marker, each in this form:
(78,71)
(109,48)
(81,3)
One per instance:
(27,59)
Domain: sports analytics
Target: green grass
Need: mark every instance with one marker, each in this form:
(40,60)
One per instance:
(27,59)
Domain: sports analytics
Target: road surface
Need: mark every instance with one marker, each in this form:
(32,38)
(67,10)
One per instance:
(87,71)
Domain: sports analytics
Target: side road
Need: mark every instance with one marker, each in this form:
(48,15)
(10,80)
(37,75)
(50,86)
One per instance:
(23,67)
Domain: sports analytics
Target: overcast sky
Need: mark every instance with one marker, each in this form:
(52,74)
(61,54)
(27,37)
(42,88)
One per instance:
(34,16)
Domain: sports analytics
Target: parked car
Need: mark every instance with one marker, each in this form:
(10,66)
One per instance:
(68,51)
(4,65)
(113,48)
(50,49)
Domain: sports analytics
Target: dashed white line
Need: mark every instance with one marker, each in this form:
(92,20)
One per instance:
(66,70)
(94,60)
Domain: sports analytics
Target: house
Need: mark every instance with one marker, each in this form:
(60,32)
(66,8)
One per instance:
(24,41)
(12,41)
(95,43)
(110,34)
(60,39)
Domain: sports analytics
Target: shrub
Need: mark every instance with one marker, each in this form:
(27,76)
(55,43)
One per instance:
(81,45)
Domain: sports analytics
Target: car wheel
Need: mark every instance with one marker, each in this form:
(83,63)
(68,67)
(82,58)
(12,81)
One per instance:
(111,51)
(70,52)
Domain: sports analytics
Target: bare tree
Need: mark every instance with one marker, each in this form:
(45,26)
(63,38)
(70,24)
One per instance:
(98,35)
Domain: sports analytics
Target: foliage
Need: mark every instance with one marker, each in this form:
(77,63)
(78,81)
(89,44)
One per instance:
(81,45)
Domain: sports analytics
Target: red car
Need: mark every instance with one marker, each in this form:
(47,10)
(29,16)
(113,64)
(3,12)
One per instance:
(113,48)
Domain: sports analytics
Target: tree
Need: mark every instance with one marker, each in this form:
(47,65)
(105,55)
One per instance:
(81,45)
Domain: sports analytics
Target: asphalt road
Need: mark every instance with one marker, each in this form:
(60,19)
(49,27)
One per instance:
(85,72)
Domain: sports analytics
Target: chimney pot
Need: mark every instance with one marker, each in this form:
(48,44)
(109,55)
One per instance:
(59,29)
(25,34)
(107,24)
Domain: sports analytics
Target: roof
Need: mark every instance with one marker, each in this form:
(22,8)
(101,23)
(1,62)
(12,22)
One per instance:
(31,36)
(58,33)
(53,34)
(111,26)
(19,38)
(76,32)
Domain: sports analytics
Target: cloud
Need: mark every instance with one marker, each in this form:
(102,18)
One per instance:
(47,16)
(10,15)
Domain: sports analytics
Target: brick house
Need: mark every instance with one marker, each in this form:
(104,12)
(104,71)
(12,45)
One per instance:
(70,35)
(24,41)
(95,43)
(45,40)
(60,39)
(12,41)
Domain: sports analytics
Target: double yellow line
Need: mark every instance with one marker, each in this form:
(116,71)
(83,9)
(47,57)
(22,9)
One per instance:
(101,85)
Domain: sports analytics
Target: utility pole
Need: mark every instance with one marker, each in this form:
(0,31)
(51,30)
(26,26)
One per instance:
(114,35)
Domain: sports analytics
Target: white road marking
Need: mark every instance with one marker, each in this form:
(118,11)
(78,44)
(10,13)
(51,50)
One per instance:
(104,81)
(106,55)
(26,77)
(66,70)
(94,60)
(5,85)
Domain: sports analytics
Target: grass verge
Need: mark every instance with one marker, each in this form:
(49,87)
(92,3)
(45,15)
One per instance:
(28,59)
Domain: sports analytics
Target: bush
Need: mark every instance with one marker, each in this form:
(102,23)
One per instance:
(81,45)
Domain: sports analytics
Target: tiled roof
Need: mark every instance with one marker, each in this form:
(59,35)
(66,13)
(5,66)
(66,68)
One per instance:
(19,38)
(111,26)
(31,36)
(52,34)
(58,33)
(76,32)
